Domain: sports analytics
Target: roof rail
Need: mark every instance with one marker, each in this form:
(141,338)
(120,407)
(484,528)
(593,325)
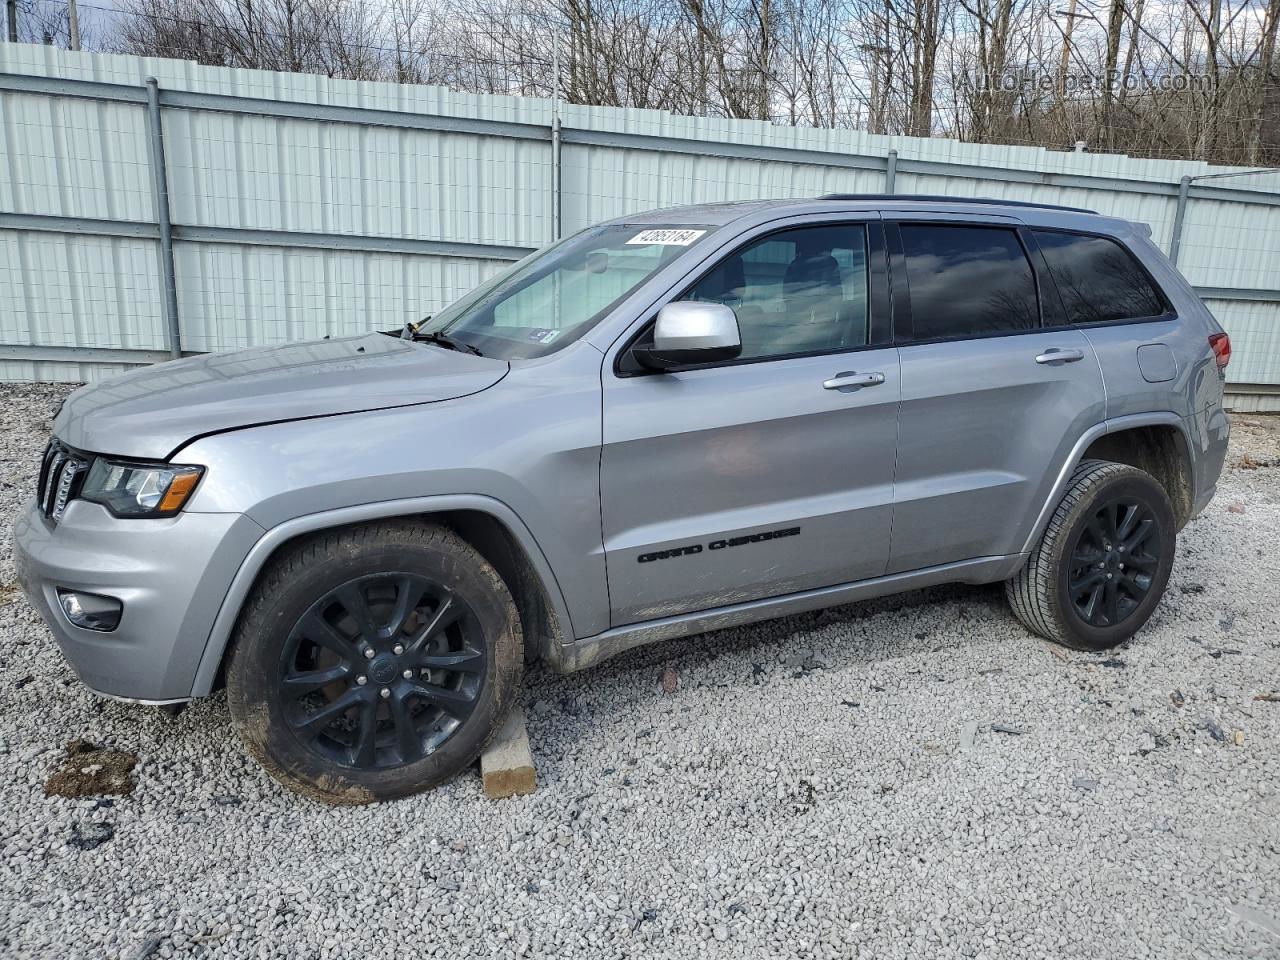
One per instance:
(929,198)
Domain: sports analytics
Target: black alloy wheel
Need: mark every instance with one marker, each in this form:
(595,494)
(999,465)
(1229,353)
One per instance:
(382,670)
(374,661)
(1114,562)
(1102,563)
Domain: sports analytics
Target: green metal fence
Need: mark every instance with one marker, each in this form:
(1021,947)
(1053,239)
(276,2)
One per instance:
(156,207)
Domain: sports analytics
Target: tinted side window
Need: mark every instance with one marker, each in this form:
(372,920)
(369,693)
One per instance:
(798,291)
(1099,280)
(966,281)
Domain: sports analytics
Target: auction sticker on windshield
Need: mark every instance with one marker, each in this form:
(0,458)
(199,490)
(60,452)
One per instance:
(670,238)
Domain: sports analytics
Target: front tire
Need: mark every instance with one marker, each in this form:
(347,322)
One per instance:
(1103,562)
(374,662)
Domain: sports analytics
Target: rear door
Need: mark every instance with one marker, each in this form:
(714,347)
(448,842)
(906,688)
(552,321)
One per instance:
(772,473)
(992,402)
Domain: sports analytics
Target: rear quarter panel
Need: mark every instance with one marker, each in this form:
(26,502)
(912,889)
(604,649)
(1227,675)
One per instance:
(1195,391)
(1196,384)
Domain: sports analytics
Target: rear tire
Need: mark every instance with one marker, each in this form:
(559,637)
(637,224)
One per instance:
(374,662)
(1103,562)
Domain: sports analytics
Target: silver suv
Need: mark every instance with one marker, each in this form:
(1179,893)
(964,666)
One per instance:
(665,424)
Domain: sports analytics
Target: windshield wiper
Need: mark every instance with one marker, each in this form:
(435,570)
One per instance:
(446,341)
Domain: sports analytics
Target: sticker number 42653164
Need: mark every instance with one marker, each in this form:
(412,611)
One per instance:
(671,238)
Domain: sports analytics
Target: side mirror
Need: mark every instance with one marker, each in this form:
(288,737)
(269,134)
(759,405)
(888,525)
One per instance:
(689,331)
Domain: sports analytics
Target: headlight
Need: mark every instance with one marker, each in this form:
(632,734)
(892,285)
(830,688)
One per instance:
(139,489)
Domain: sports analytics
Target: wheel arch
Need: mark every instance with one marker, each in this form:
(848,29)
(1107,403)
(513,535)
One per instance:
(489,525)
(1118,440)
(1160,449)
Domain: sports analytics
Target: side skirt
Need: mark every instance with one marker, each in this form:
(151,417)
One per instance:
(587,652)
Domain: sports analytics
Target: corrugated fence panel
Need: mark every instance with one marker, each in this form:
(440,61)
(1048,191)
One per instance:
(230,170)
(1238,245)
(1255,338)
(1231,245)
(232,296)
(58,371)
(63,290)
(73,158)
(606,182)
(410,195)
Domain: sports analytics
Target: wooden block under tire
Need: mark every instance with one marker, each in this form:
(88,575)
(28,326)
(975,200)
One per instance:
(506,766)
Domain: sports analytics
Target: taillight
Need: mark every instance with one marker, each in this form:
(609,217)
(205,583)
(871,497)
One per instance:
(1220,344)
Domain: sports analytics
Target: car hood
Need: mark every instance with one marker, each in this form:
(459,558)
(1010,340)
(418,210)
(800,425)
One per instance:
(150,413)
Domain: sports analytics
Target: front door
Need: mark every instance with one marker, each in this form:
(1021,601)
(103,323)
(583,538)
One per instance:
(769,474)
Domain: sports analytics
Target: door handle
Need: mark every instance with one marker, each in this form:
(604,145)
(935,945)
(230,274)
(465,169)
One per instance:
(1054,355)
(849,381)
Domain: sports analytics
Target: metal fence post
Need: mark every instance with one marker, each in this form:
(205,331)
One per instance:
(1175,242)
(160,194)
(555,177)
(555,136)
(891,171)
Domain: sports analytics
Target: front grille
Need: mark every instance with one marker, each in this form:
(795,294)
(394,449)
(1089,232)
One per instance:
(61,473)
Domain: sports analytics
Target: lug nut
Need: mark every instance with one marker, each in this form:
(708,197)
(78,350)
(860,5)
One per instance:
(385,693)
(1121,549)
(362,679)
(368,653)
(398,649)
(408,674)
(1110,575)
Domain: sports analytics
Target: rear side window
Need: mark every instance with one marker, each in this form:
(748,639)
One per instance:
(1099,280)
(967,281)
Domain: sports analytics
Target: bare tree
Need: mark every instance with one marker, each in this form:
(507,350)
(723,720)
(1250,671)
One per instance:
(1265,97)
(1014,71)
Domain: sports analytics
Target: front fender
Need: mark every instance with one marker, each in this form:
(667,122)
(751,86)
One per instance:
(527,448)
(244,579)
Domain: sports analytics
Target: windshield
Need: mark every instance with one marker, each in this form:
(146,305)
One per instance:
(554,296)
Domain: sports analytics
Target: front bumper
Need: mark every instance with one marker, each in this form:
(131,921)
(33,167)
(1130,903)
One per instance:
(171,574)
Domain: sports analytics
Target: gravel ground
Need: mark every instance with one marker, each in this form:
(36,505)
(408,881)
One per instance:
(910,777)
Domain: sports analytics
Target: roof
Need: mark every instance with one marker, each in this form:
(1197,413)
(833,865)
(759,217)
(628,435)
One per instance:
(718,214)
(928,198)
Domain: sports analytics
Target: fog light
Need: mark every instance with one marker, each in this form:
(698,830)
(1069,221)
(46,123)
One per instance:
(91,611)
